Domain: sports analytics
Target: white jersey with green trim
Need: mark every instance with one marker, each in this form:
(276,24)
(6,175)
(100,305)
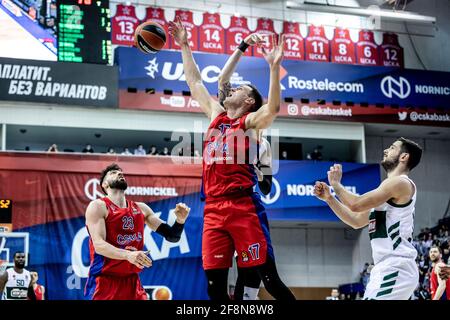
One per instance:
(391,229)
(16,287)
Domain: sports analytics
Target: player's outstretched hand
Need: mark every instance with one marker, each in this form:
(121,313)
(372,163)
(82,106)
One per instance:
(275,56)
(335,175)
(322,191)
(254,39)
(182,212)
(178,31)
(139,259)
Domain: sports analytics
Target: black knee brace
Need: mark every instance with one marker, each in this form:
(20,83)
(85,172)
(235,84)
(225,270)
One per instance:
(217,284)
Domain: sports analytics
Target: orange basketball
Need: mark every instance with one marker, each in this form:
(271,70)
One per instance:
(150,37)
(162,294)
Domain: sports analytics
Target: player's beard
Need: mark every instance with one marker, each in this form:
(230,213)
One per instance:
(435,260)
(390,164)
(20,265)
(120,184)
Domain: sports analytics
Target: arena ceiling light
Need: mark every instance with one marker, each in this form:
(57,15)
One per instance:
(398,16)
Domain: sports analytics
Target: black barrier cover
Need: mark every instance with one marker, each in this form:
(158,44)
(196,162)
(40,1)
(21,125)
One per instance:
(58,82)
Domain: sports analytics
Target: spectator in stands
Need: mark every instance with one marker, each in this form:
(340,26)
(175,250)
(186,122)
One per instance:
(316,155)
(27,148)
(429,241)
(165,152)
(445,247)
(53,148)
(140,151)
(111,151)
(153,151)
(365,275)
(334,295)
(342,296)
(426,282)
(126,152)
(423,293)
(39,290)
(88,149)
(284,155)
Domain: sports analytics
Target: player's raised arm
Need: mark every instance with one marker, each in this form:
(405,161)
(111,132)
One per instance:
(264,117)
(193,78)
(334,179)
(95,222)
(356,220)
(170,233)
(227,71)
(391,188)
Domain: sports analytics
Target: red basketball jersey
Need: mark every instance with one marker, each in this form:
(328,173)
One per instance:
(266,30)
(227,171)
(434,285)
(125,230)
(367,49)
(390,51)
(39,292)
(294,45)
(342,47)
(157,15)
(187,19)
(212,34)
(237,32)
(317,45)
(123,25)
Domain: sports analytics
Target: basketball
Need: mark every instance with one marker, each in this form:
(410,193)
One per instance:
(161,294)
(150,37)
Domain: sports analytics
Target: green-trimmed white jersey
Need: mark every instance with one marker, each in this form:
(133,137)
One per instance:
(391,229)
(16,287)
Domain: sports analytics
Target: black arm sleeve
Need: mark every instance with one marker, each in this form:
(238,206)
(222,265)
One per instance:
(171,234)
(31,294)
(266,184)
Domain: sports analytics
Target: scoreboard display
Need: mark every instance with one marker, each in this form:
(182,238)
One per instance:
(84,31)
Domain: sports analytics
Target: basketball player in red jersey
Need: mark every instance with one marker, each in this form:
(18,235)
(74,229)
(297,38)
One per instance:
(39,290)
(234,217)
(440,288)
(116,232)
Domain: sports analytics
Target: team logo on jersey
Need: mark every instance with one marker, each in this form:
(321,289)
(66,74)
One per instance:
(128,238)
(244,255)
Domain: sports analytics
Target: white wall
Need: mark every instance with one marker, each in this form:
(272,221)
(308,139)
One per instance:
(432,177)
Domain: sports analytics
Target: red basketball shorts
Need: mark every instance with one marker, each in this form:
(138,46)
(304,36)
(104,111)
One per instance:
(107,287)
(235,224)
